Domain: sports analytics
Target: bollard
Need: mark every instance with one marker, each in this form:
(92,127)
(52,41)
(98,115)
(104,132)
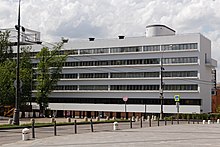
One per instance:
(171,120)
(10,121)
(209,121)
(68,120)
(148,118)
(158,121)
(55,128)
(165,121)
(32,126)
(25,134)
(97,118)
(75,126)
(152,117)
(107,118)
(115,126)
(188,118)
(133,118)
(85,119)
(213,121)
(137,118)
(178,122)
(143,119)
(197,120)
(91,125)
(52,120)
(141,123)
(203,122)
(130,122)
(149,122)
(218,121)
(193,120)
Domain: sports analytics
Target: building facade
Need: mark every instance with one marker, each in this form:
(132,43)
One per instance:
(99,73)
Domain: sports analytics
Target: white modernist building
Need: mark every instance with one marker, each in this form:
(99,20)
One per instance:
(98,73)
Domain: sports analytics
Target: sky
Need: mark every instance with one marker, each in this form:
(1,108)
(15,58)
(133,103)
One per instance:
(81,19)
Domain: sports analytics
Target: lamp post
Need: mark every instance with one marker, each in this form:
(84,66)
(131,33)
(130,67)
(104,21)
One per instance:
(161,88)
(16,111)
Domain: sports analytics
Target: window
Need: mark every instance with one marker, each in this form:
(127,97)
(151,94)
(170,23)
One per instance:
(100,50)
(86,51)
(181,87)
(180,60)
(71,52)
(125,49)
(70,76)
(134,87)
(151,48)
(134,74)
(180,73)
(70,87)
(93,87)
(65,87)
(100,75)
(86,75)
(93,75)
(113,62)
(179,46)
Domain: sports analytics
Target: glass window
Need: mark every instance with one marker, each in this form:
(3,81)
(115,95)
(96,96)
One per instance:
(125,49)
(179,46)
(86,51)
(71,52)
(181,87)
(100,75)
(70,76)
(93,87)
(180,60)
(151,48)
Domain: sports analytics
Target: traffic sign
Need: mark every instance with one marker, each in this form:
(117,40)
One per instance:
(125,98)
(15,83)
(177,98)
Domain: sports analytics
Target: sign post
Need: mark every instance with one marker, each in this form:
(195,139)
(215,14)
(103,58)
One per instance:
(125,99)
(177,100)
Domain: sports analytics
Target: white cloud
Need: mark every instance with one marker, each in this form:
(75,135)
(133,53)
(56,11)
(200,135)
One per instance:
(107,19)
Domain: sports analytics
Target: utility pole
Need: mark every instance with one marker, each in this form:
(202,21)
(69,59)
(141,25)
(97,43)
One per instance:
(16,111)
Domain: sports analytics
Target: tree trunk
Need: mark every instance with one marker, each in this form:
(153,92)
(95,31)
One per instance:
(41,110)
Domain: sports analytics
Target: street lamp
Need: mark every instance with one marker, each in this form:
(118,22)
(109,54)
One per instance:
(161,87)
(16,111)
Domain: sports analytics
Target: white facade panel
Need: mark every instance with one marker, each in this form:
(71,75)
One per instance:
(179,53)
(121,108)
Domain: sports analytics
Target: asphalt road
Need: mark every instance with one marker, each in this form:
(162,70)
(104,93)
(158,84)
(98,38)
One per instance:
(183,135)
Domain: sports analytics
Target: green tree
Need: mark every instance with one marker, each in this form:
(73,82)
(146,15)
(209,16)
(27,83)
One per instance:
(5,47)
(26,76)
(48,72)
(7,78)
(8,72)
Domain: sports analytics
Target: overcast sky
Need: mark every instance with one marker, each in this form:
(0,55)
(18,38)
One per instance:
(110,18)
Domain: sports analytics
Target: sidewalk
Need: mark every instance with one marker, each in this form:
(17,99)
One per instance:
(40,120)
(195,135)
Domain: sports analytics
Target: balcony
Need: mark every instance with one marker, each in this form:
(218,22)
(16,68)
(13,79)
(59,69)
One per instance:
(211,63)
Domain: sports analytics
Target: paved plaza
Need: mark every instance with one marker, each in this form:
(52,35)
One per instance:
(184,135)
